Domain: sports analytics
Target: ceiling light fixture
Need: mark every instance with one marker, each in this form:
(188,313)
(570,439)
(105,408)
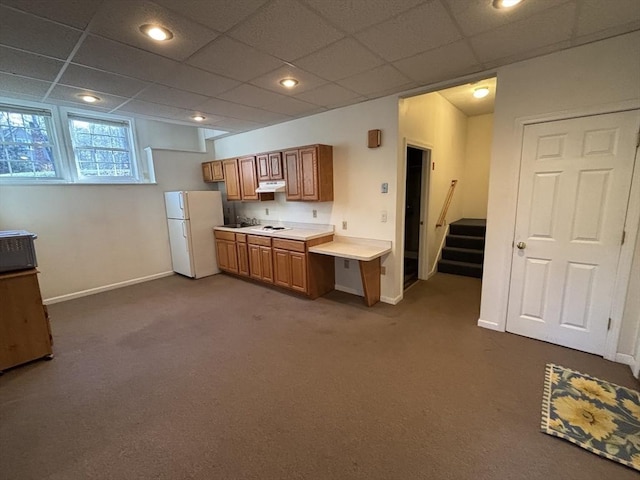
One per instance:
(481,92)
(289,82)
(199,118)
(156,32)
(499,4)
(89,98)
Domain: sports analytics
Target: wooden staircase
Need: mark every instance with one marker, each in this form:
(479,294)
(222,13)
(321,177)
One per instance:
(463,253)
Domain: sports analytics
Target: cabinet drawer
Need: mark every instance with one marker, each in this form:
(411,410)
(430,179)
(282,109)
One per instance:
(241,237)
(293,245)
(258,240)
(224,235)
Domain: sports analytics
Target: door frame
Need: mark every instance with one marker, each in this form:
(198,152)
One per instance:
(631,224)
(423,246)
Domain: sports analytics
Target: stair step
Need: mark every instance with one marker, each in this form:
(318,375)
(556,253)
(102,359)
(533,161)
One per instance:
(465,241)
(460,268)
(474,227)
(469,255)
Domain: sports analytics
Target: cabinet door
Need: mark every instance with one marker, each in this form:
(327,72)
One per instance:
(221,255)
(281,267)
(243,259)
(298,263)
(266,263)
(207,174)
(248,178)
(292,174)
(262,162)
(217,172)
(275,166)
(232,256)
(308,161)
(232,179)
(255,270)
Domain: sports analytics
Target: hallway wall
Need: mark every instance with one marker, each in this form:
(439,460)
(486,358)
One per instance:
(475,191)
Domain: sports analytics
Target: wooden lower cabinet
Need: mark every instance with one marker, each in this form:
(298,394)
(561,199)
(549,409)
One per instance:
(282,262)
(226,253)
(25,333)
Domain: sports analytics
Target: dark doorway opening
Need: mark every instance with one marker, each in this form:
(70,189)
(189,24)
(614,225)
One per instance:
(413,214)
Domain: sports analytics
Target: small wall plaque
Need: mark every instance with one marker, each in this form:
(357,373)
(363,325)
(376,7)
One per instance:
(375,138)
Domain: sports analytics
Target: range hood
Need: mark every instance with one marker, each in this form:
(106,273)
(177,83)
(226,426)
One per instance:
(269,187)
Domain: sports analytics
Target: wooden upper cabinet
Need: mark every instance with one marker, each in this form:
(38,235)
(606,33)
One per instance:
(207,174)
(292,174)
(248,178)
(217,172)
(309,173)
(269,166)
(232,179)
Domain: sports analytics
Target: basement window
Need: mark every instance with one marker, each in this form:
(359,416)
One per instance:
(27,144)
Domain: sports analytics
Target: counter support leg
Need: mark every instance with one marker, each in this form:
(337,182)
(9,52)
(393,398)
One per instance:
(370,273)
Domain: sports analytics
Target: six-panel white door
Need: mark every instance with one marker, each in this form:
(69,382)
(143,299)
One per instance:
(575,178)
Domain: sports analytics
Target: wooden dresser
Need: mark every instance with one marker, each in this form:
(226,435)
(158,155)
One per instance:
(25,333)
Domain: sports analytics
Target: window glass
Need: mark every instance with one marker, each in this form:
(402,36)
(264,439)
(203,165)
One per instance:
(26,143)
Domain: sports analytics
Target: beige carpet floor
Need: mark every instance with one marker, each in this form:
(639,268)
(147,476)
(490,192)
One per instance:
(222,379)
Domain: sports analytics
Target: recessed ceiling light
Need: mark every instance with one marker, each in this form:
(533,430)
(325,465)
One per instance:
(156,32)
(481,92)
(505,3)
(89,98)
(199,118)
(289,82)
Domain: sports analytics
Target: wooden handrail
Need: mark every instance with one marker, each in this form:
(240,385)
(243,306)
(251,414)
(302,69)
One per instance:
(447,203)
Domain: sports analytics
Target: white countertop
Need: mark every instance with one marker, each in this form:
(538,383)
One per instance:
(365,249)
(297,232)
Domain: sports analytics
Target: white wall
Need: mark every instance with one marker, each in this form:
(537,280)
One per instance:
(358,174)
(590,78)
(91,236)
(430,120)
(475,193)
(629,343)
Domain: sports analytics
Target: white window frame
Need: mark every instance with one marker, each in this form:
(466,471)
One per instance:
(65,161)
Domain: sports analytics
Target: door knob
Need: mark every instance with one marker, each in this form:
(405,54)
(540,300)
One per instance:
(521,245)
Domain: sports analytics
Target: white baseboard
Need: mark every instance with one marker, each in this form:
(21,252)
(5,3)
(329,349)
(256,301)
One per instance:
(113,286)
(353,291)
(489,325)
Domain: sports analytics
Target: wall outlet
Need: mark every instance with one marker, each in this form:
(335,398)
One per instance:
(344,224)
(315,213)
(383,216)
(266,211)
(346,264)
(383,270)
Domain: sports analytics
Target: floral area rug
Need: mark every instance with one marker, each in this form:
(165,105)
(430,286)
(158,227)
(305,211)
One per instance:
(596,415)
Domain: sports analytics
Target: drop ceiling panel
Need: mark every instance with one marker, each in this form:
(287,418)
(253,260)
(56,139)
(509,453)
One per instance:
(85,77)
(450,61)
(330,96)
(355,15)
(192,79)
(13,84)
(220,15)
(252,96)
(44,37)
(514,39)
(339,60)
(223,108)
(417,30)
(271,80)
(29,64)
(597,15)
(294,107)
(171,96)
(71,95)
(234,60)
(116,57)
(121,21)
(76,13)
(286,29)
(233,124)
(377,80)
(477,16)
(155,110)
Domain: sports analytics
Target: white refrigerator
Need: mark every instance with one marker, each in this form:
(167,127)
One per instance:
(191,216)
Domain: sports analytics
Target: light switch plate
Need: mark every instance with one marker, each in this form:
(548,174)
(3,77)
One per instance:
(384,188)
